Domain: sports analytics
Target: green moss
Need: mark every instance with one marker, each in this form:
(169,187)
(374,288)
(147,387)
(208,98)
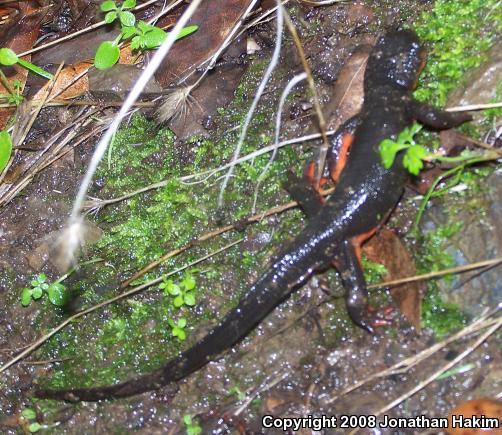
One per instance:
(459,33)
(134,337)
(438,315)
(442,317)
(373,272)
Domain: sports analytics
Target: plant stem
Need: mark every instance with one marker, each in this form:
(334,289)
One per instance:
(479,159)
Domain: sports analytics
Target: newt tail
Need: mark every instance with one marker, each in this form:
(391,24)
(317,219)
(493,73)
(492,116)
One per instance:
(263,297)
(364,196)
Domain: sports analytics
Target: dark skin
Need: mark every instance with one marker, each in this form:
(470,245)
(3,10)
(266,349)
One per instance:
(365,194)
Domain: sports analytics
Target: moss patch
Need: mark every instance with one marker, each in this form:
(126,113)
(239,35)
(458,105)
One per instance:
(134,336)
(459,33)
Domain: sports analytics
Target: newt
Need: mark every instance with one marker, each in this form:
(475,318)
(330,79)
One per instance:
(364,196)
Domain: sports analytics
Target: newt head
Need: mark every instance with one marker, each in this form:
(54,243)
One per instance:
(396,60)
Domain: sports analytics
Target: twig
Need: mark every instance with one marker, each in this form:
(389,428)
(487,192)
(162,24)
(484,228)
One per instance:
(211,234)
(6,84)
(323,151)
(80,32)
(443,369)
(21,131)
(292,83)
(474,107)
(261,389)
(96,203)
(45,362)
(488,156)
(408,363)
(164,11)
(322,2)
(46,157)
(459,269)
(211,62)
(56,102)
(126,294)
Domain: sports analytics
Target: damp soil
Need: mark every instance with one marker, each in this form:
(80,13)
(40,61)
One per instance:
(306,351)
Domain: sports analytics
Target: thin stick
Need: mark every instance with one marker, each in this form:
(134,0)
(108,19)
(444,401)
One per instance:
(255,218)
(85,103)
(80,32)
(214,58)
(405,365)
(323,151)
(20,134)
(443,369)
(96,203)
(164,11)
(459,269)
(474,107)
(322,2)
(131,292)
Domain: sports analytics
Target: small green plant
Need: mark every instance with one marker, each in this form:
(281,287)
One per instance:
(178,328)
(414,154)
(183,292)
(193,428)
(237,392)
(183,295)
(30,415)
(5,149)
(9,57)
(56,292)
(121,12)
(144,36)
(14,95)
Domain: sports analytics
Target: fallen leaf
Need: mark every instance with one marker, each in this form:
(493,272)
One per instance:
(387,249)
(67,84)
(348,94)
(215,21)
(19,34)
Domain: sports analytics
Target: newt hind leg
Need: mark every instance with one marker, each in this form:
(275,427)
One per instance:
(348,263)
(303,192)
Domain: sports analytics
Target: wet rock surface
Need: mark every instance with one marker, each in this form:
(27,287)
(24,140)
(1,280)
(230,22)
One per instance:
(479,239)
(482,82)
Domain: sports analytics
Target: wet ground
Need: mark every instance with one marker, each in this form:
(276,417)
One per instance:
(307,351)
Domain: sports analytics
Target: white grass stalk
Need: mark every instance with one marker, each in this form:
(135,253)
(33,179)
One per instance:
(259,92)
(292,83)
(72,235)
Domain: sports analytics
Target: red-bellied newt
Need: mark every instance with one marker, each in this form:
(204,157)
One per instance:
(364,196)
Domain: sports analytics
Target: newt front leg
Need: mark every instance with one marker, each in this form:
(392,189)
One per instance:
(436,118)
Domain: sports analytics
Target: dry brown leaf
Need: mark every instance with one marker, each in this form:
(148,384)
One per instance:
(348,94)
(68,83)
(387,249)
(19,35)
(215,21)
